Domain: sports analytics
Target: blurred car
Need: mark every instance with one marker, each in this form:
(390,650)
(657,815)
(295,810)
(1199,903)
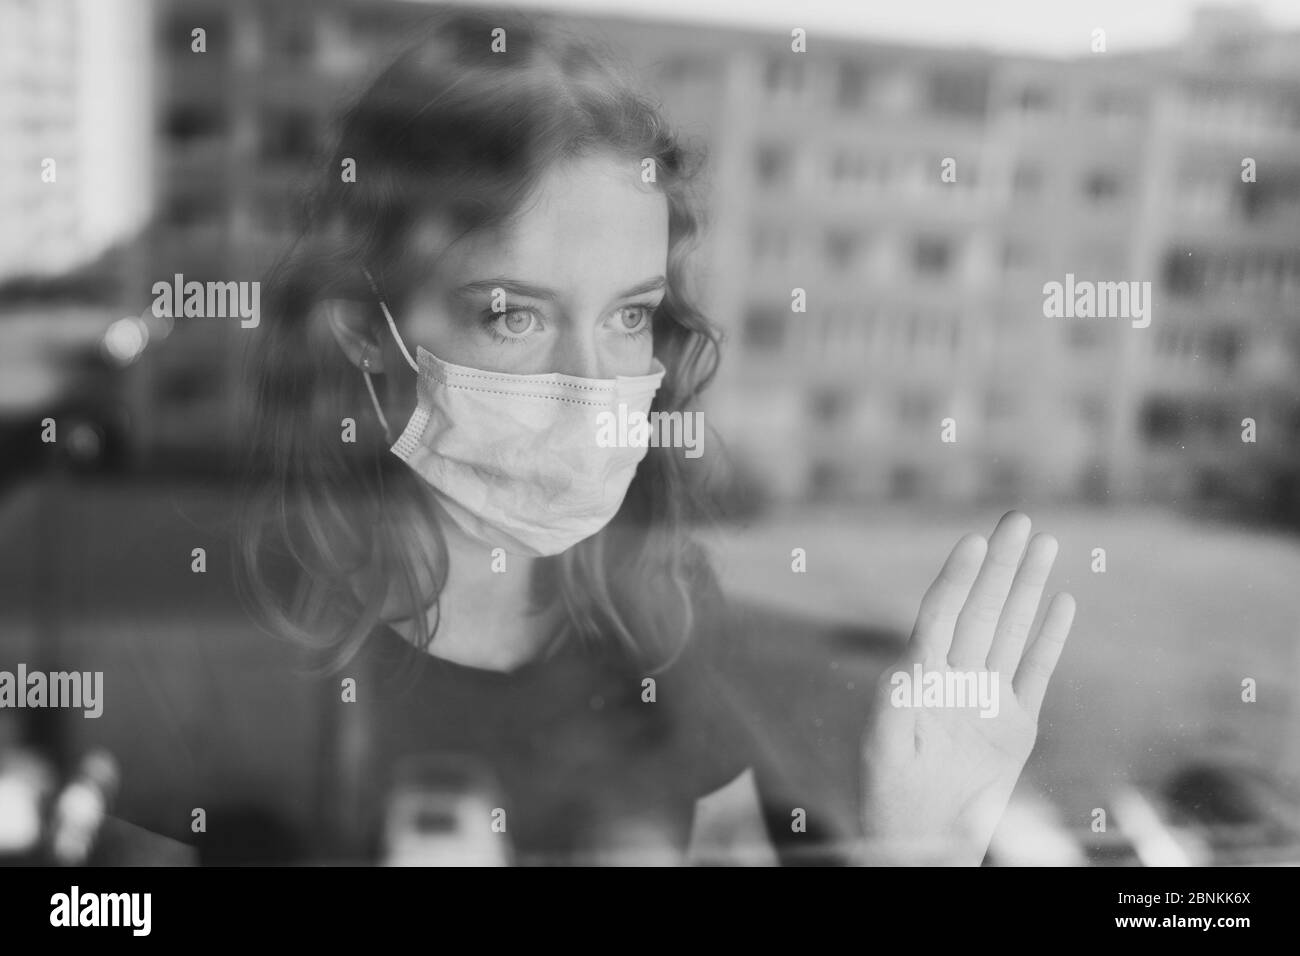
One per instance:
(53,366)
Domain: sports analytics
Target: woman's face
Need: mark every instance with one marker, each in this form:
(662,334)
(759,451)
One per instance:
(577,278)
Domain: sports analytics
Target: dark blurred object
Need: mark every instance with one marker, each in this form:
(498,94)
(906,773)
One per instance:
(90,425)
(1207,813)
(443,810)
(81,808)
(43,826)
(805,687)
(1240,813)
(248,835)
(26,781)
(125,844)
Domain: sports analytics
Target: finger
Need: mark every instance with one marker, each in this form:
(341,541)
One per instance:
(1040,660)
(979,617)
(1022,604)
(932,634)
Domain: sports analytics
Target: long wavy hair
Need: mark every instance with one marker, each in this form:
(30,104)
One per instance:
(450,139)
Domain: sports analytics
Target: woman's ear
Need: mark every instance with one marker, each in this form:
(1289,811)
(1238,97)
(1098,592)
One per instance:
(354,333)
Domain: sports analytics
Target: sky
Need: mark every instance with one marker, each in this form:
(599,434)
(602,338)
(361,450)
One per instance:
(1046,27)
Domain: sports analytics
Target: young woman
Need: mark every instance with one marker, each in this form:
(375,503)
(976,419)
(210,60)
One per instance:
(494,255)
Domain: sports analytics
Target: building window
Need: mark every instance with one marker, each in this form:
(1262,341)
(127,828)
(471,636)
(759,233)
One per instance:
(959,93)
(932,256)
(764,329)
(273,215)
(825,480)
(783,78)
(290,37)
(1026,181)
(1223,347)
(1015,257)
(862,170)
(773,164)
(1102,186)
(828,406)
(905,482)
(288,135)
(1163,421)
(1034,99)
(1185,272)
(841,249)
(850,91)
(1275,197)
(184,123)
(686,70)
(915,409)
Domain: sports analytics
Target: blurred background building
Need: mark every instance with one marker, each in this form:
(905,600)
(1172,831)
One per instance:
(924,296)
(38,113)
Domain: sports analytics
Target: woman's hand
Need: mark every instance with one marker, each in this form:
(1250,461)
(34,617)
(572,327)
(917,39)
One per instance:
(937,777)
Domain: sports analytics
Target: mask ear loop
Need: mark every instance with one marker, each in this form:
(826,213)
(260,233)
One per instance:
(365,357)
(374,399)
(415,366)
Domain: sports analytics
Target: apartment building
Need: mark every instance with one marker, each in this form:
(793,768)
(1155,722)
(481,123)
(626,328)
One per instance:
(883,219)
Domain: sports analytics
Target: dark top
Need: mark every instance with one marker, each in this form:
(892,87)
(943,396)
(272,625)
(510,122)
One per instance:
(243,727)
(580,754)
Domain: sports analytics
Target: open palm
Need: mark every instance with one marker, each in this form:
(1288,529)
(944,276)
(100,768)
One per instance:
(937,777)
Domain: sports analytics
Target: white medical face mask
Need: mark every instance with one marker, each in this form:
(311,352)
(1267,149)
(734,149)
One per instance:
(514,459)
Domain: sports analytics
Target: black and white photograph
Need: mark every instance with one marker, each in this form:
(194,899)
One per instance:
(650,433)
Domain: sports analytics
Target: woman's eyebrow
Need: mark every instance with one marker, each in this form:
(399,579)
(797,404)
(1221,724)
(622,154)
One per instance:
(528,290)
(649,285)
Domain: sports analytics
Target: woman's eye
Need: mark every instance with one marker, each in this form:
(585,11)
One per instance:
(634,319)
(518,322)
(515,324)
